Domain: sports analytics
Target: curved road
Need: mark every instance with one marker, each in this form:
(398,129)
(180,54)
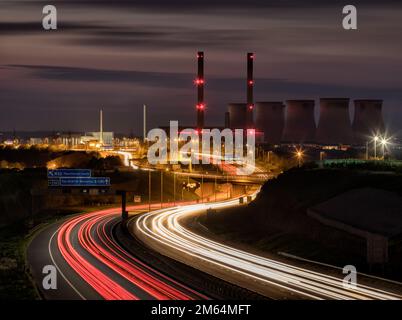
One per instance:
(92,265)
(163,231)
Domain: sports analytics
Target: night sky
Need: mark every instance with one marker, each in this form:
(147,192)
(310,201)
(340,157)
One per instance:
(120,54)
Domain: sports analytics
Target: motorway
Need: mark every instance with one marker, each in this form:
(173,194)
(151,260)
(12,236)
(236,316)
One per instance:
(163,230)
(92,265)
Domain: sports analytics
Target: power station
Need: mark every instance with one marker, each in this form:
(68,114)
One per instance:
(199,82)
(300,124)
(270,119)
(368,120)
(334,125)
(250,91)
(294,122)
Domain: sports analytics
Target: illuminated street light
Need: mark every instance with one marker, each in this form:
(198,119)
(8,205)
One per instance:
(384,143)
(299,155)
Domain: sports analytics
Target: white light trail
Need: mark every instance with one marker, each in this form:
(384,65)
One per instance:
(162,231)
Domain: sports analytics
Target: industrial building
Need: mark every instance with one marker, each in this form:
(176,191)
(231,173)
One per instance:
(367,120)
(200,82)
(334,126)
(237,115)
(294,123)
(300,124)
(270,120)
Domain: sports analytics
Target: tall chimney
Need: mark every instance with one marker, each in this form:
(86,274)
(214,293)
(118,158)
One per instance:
(250,90)
(101,126)
(199,82)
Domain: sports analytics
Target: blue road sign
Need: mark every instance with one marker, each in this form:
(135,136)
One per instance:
(85,182)
(61,173)
(53,182)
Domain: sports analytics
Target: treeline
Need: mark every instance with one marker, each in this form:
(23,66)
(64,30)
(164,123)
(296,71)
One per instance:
(35,157)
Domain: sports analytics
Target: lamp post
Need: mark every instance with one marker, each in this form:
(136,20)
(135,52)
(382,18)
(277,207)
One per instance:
(149,190)
(384,142)
(299,156)
(215,188)
(174,188)
(375,147)
(367,150)
(227,185)
(202,188)
(161,189)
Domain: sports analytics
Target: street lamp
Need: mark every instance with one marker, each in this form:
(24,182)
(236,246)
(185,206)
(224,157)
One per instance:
(375,147)
(149,190)
(299,155)
(161,189)
(383,142)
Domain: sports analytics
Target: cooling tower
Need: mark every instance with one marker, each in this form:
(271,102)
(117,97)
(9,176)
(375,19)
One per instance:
(237,115)
(227,120)
(270,118)
(334,125)
(367,120)
(300,124)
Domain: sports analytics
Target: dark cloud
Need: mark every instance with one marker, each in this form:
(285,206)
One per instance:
(62,73)
(121,54)
(29,27)
(166,38)
(177,5)
(214,84)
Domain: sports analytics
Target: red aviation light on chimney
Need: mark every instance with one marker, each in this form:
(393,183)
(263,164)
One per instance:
(251,107)
(201,106)
(200,55)
(199,81)
(250,82)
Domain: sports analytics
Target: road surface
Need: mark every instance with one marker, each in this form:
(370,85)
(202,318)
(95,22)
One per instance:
(163,231)
(92,265)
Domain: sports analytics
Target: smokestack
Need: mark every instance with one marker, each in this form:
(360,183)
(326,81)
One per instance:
(199,82)
(250,90)
(101,126)
(144,125)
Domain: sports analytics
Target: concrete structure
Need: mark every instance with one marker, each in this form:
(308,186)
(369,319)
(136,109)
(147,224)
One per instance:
(367,120)
(237,115)
(250,91)
(372,214)
(270,119)
(227,120)
(199,82)
(95,137)
(300,123)
(334,126)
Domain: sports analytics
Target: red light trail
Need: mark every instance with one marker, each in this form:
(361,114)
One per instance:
(93,236)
